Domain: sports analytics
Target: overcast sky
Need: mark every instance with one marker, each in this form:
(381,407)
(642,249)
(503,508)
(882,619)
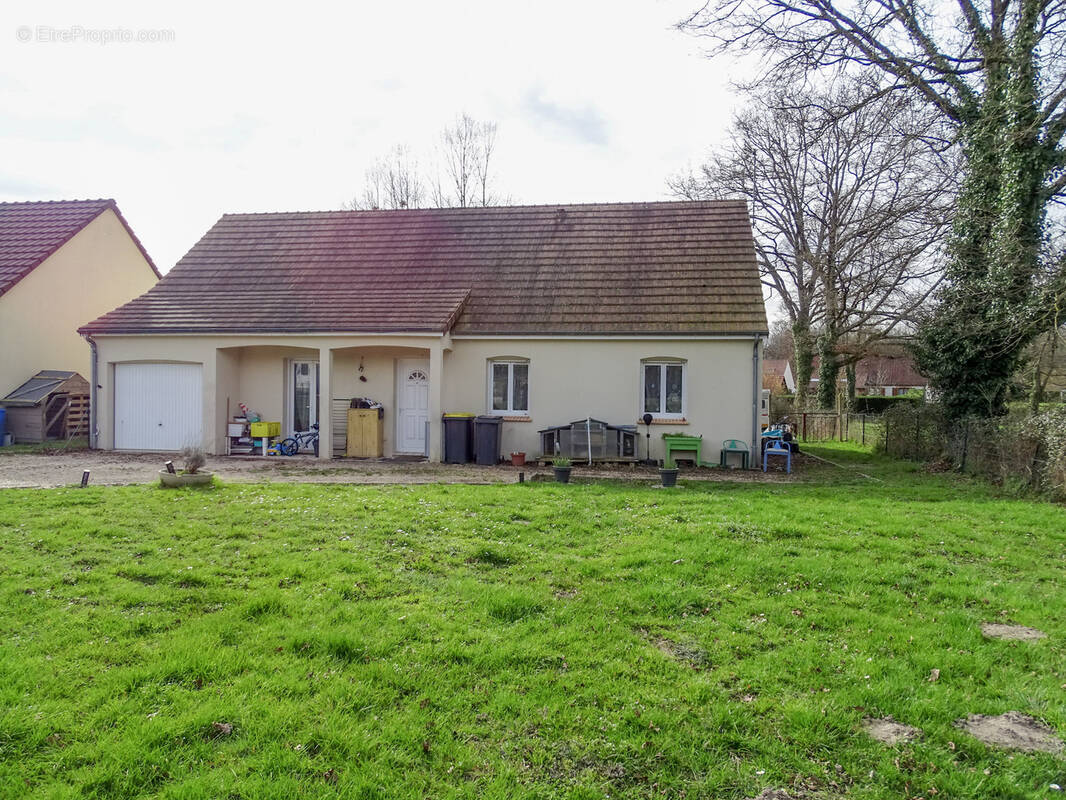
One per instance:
(282,107)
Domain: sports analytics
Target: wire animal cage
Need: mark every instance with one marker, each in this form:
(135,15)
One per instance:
(589,440)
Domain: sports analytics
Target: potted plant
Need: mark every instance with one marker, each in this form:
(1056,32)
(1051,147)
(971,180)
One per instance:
(192,475)
(668,473)
(518,459)
(562,469)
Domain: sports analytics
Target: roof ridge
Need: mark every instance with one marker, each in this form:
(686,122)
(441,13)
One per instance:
(613,204)
(104,200)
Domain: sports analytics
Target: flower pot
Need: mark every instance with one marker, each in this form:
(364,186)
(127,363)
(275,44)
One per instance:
(175,479)
(518,459)
(562,474)
(668,477)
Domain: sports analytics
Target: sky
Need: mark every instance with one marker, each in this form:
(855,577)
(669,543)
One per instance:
(184,112)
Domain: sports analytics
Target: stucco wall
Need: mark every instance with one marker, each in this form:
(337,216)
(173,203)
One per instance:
(568,380)
(571,380)
(254,370)
(98,270)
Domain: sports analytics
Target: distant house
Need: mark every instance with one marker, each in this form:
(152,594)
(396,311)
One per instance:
(62,264)
(888,373)
(537,315)
(777,376)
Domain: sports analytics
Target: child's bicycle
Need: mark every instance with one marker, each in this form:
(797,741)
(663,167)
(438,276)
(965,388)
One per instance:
(292,445)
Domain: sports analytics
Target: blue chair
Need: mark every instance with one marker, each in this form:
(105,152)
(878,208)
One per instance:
(775,447)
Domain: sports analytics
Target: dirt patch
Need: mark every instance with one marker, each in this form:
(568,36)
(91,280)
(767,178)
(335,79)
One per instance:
(1016,633)
(44,471)
(888,731)
(778,794)
(1013,731)
(691,654)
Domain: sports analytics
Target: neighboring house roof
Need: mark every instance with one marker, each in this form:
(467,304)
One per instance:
(879,371)
(626,268)
(888,371)
(31,232)
(39,387)
(777,373)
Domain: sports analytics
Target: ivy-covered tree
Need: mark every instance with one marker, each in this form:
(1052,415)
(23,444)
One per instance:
(995,72)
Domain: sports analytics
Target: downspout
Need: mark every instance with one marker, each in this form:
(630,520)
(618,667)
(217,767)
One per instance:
(95,377)
(756,398)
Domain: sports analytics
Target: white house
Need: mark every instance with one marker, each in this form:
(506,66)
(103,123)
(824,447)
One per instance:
(538,314)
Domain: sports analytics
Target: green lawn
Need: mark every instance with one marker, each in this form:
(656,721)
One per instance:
(527,640)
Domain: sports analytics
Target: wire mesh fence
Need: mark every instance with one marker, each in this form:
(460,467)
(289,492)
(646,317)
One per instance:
(829,426)
(1021,450)
(1018,450)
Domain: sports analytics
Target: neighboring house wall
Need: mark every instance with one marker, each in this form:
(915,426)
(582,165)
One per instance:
(569,379)
(99,268)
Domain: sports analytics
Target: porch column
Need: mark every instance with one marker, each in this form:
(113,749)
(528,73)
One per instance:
(436,402)
(325,403)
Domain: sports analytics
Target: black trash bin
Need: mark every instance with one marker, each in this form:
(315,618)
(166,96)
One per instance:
(487,440)
(458,438)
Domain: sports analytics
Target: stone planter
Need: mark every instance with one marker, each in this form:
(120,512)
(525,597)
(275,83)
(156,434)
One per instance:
(518,459)
(668,477)
(562,474)
(174,480)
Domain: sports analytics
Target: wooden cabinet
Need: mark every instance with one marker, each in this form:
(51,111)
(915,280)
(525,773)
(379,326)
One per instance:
(365,435)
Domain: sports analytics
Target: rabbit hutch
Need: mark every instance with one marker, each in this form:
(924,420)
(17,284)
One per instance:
(53,404)
(589,440)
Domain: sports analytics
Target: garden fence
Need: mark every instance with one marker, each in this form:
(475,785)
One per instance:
(829,426)
(1018,450)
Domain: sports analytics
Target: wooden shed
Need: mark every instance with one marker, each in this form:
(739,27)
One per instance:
(53,404)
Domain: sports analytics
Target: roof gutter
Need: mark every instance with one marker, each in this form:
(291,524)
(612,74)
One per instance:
(756,398)
(94,372)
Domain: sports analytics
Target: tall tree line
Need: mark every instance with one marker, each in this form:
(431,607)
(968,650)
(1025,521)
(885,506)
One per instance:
(994,73)
(849,204)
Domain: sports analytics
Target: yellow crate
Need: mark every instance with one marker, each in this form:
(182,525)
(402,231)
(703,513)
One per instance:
(265,429)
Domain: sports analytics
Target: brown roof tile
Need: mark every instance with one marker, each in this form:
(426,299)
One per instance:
(626,268)
(31,232)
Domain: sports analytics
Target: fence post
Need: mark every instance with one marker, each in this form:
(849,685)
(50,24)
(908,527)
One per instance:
(918,436)
(847,426)
(863,430)
(805,427)
(965,446)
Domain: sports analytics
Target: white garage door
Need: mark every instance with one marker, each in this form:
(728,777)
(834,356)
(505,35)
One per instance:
(158,406)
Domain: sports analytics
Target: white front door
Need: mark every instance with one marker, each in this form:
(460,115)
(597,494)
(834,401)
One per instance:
(412,404)
(158,406)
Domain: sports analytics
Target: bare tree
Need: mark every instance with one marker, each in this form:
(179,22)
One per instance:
(391,182)
(848,211)
(466,152)
(779,344)
(461,176)
(994,71)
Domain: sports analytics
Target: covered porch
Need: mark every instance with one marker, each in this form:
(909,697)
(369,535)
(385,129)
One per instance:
(300,384)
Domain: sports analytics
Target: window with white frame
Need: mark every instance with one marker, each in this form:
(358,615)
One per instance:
(662,389)
(509,387)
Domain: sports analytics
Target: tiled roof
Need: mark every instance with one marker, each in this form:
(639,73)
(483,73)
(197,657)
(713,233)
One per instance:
(627,268)
(774,366)
(888,371)
(875,371)
(31,232)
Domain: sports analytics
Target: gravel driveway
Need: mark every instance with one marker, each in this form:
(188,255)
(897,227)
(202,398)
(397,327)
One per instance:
(47,470)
